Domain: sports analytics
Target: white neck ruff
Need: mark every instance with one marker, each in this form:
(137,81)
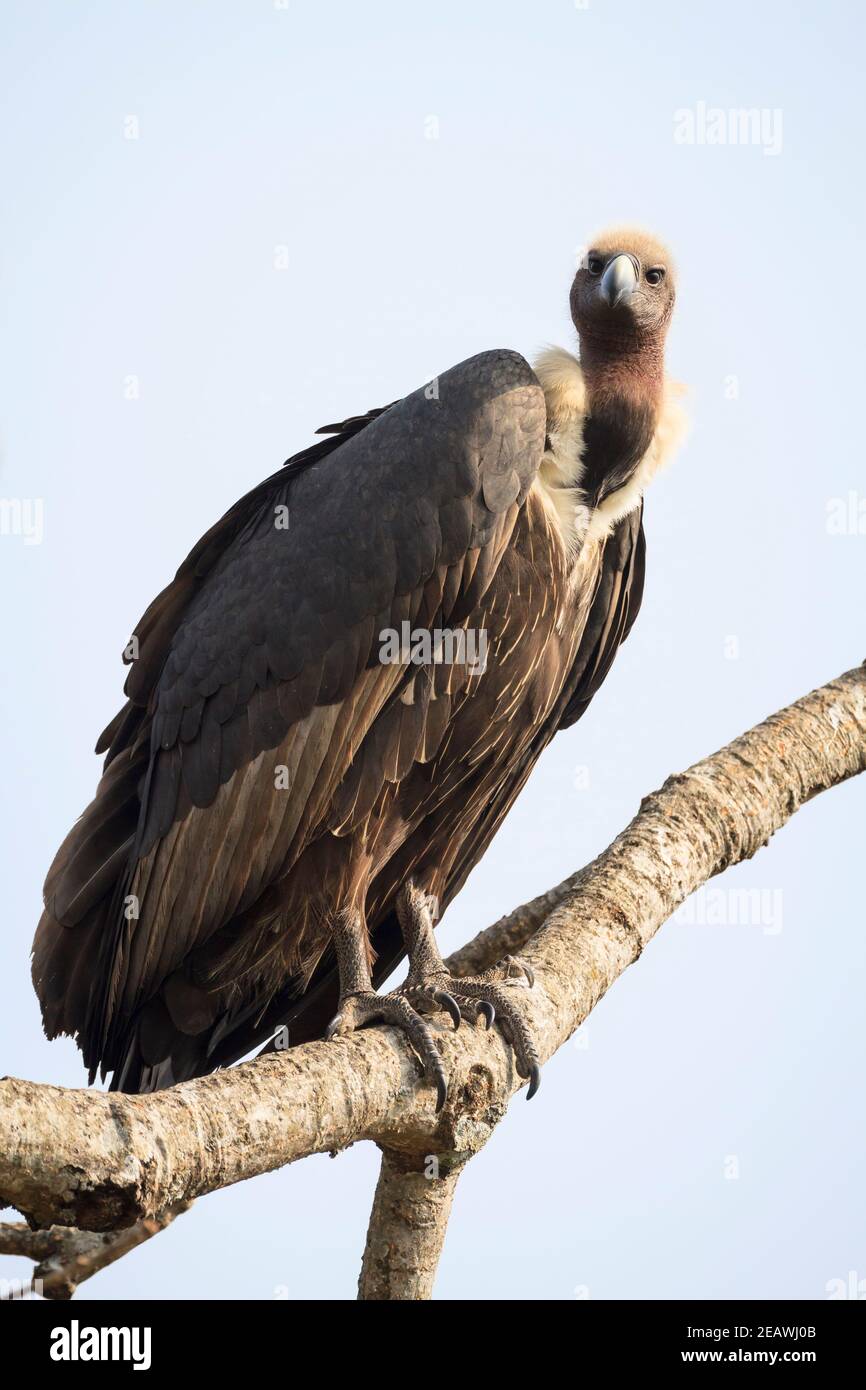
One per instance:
(561,473)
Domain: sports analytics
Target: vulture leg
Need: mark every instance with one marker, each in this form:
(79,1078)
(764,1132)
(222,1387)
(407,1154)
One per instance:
(360,1004)
(429,986)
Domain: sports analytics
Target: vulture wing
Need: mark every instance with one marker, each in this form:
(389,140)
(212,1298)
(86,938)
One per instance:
(614,608)
(262,657)
(612,615)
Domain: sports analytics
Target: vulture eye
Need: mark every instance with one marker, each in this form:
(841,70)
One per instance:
(595,264)
(656,275)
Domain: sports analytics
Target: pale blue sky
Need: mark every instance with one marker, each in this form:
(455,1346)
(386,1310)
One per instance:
(301,136)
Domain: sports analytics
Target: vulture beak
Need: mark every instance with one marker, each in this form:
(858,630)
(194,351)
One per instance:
(619,280)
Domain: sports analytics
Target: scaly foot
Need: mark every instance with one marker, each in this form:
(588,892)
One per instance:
(368,1007)
(488,996)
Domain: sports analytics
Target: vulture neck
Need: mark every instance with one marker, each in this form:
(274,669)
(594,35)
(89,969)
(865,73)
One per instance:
(624,379)
(613,419)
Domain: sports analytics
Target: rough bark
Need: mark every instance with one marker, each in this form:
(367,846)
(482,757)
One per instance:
(407,1227)
(103,1162)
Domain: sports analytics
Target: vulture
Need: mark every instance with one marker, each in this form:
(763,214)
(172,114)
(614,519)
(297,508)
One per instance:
(333,705)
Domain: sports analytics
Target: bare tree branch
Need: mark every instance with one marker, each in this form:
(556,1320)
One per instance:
(65,1256)
(104,1162)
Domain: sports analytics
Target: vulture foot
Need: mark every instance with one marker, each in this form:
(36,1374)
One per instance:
(369,1007)
(489,996)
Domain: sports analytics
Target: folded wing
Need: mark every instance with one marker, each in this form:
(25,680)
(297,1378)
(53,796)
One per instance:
(263,654)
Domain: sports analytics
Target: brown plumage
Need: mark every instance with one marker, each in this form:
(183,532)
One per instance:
(276,795)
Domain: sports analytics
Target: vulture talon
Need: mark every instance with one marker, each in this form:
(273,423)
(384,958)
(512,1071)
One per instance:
(501,1002)
(487,1012)
(429,998)
(441,1091)
(450,1005)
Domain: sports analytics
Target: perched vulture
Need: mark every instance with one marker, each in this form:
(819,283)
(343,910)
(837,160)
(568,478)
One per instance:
(333,705)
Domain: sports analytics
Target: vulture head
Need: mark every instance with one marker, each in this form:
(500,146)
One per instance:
(624,289)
